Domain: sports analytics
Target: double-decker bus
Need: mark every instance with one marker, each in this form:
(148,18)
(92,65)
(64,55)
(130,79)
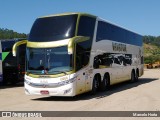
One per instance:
(73,53)
(13,67)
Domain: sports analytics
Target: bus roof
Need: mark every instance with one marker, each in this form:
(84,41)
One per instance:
(72,13)
(87,14)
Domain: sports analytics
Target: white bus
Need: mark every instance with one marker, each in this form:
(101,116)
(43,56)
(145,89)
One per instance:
(73,53)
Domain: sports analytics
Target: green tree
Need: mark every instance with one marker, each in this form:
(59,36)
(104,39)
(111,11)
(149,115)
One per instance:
(10,34)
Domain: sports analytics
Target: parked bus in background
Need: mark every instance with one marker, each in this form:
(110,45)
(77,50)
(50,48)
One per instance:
(73,53)
(13,67)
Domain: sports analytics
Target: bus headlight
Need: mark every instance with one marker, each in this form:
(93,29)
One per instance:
(65,82)
(27,82)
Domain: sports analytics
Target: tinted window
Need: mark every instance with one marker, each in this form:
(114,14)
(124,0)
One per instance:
(107,31)
(22,54)
(7,46)
(9,60)
(53,28)
(82,54)
(102,31)
(7,57)
(86,26)
(108,59)
(48,60)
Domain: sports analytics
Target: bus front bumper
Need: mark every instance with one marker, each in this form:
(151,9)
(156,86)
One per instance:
(66,90)
(62,90)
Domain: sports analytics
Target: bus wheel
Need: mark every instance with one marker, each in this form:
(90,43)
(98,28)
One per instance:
(105,83)
(95,85)
(137,75)
(133,77)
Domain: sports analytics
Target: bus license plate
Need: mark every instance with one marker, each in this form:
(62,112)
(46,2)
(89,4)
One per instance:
(44,92)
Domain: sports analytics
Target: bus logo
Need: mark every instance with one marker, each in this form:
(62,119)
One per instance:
(119,47)
(43,81)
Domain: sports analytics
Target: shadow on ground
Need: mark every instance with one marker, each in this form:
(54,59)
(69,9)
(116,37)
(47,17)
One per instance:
(21,84)
(113,89)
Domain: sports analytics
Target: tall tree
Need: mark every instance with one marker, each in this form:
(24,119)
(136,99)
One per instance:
(10,34)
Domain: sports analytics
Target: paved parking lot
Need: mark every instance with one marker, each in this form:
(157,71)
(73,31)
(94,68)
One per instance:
(141,96)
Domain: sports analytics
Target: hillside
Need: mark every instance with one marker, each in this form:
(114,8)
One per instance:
(10,34)
(151,49)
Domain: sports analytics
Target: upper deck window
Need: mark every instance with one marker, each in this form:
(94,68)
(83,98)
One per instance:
(107,31)
(86,26)
(53,28)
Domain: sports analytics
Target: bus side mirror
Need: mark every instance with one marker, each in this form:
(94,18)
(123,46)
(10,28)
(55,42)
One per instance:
(14,48)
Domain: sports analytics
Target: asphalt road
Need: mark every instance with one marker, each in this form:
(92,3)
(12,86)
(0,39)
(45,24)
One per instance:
(143,95)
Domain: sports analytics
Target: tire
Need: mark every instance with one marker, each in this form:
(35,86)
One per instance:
(133,77)
(94,86)
(136,76)
(105,83)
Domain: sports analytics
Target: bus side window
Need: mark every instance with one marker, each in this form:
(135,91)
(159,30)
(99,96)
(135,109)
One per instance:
(81,60)
(82,56)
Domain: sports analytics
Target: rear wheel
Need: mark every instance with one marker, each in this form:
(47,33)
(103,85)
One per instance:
(137,75)
(133,78)
(95,85)
(105,83)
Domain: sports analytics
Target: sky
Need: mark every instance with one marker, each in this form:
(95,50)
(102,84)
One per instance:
(140,16)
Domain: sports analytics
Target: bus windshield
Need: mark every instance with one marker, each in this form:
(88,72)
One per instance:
(7,45)
(53,28)
(7,57)
(49,60)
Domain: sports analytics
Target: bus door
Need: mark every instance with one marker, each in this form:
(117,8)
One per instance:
(81,82)
(81,65)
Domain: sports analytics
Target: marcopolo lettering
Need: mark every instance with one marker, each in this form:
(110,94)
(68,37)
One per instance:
(119,47)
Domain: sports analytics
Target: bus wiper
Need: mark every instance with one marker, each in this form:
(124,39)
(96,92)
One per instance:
(61,72)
